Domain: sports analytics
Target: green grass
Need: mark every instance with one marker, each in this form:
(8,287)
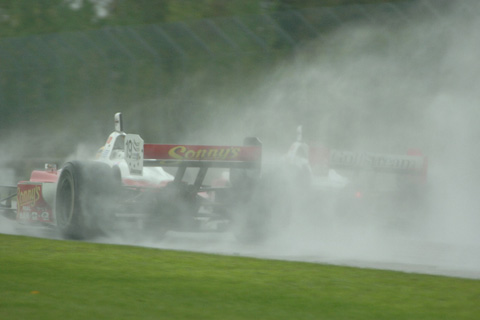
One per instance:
(51,279)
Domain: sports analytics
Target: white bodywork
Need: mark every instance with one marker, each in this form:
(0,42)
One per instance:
(322,177)
(126,152)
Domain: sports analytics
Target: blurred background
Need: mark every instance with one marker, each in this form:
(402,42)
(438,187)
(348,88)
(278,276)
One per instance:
(180,68)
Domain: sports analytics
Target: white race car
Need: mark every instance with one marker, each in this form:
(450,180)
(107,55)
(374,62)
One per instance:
(360,181)
(128,181)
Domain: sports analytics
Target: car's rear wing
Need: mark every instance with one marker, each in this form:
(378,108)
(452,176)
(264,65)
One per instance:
(139,155)
(376,161)
(173,155)
(203,157)
(320,159)
(413,163)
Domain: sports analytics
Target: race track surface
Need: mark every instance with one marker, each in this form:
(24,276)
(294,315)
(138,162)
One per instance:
(394,252)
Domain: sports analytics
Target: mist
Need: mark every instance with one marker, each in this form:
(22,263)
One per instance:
(363,88)
(378,89)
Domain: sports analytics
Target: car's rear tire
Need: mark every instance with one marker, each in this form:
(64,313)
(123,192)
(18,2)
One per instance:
(265,211)
(85,198)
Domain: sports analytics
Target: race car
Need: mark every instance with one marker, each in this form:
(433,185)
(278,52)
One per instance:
(145,185)
(361,182)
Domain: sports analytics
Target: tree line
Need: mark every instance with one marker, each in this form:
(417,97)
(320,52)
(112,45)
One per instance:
(27,17)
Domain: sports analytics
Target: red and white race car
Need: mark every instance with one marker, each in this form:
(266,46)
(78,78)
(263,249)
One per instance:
(361,181)
(128,181)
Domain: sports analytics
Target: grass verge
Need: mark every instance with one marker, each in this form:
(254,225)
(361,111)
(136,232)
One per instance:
(51,279)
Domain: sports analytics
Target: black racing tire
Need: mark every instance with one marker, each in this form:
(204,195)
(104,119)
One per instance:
(85,199)
(267,211)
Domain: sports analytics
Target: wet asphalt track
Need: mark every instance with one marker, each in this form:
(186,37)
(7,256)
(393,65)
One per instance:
(393,253)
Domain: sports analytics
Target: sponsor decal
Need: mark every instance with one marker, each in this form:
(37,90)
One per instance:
(186,153)
(28,197)
(31,206)
(34,216)
(105,153)
(134,153)
(353,159)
